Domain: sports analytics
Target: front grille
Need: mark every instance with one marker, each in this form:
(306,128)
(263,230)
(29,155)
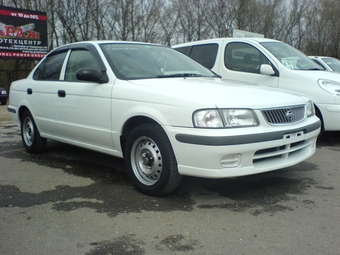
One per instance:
(284,115)
(282,154)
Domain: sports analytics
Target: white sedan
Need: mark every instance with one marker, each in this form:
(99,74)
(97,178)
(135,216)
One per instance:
(327,63)
(163,112)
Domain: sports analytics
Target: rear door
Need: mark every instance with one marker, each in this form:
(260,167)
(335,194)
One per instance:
(205,54)
(41,92)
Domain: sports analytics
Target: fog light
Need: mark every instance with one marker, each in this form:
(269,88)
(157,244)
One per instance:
(233,160)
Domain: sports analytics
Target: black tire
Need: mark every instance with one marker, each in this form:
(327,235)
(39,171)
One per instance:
(319,115)
(150,161)
(30,135)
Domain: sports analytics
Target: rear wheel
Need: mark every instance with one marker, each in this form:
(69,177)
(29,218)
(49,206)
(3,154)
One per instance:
(151,162)
(30,135)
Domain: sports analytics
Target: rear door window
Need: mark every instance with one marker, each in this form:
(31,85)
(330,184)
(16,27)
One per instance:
(205,54)
(50,68)
(184,50)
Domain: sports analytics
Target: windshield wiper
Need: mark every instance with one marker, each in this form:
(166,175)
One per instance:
(180,75)
(315,69)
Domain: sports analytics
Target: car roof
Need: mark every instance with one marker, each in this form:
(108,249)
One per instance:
(90,44)
(319,57)
(229,39)
(107,41)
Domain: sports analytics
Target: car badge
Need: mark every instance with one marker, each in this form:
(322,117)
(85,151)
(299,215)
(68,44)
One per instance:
(289,115)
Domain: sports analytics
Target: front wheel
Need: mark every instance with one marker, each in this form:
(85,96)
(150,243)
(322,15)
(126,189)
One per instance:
(150,161)
(30,135)
(319,115)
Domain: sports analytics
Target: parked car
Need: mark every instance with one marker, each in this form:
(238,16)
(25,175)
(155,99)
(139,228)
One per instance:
(327,63)
(3,96)
(274,64)
(164,113)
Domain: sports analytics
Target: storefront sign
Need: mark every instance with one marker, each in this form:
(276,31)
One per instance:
(23,33)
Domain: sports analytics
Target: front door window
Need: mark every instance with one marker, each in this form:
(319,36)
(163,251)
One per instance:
(243,57)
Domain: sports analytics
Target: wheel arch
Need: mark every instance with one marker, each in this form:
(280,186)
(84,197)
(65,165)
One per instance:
(149,157)
(319,115)
(21,110)
(130,124)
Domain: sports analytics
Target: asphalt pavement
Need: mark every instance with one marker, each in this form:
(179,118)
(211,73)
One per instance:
(68,200)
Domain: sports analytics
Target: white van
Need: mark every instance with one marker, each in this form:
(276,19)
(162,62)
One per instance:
(271,63)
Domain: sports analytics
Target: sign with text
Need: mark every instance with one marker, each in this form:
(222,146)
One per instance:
(240,33)
(23,33)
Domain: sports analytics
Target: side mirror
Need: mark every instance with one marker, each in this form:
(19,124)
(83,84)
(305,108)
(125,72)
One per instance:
(89,74)
(266,69)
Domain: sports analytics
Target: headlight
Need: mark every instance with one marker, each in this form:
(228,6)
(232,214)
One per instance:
(224,118)
(239,118)
(310,110)
(207,118)
(330,86)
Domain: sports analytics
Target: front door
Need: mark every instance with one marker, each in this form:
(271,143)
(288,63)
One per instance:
(242,61)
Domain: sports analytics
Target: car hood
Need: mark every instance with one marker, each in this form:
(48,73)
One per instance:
(321,74)
(213,92)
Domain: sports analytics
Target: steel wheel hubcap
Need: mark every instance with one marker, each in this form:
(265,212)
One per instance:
(146,161)
(28,132)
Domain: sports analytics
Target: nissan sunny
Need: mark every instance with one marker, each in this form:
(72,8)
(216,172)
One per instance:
(161,111)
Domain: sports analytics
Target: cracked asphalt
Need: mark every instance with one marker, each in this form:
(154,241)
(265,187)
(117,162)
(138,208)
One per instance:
(69,200)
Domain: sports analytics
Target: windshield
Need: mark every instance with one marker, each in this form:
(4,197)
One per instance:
(144,61)
(290,57)
(333,63)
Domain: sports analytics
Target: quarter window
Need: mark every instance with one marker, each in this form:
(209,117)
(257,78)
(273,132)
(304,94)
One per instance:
(244,58)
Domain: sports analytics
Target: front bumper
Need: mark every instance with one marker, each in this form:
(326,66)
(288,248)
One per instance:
(217,156)
(331,116)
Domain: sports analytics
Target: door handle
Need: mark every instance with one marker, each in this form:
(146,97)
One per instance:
(29,91)
(61,93)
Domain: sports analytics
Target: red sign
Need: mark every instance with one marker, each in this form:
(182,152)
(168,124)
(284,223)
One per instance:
(23,33)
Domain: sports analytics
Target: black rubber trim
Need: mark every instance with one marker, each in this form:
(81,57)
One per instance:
(11,110)
(242,139)
(91,48)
